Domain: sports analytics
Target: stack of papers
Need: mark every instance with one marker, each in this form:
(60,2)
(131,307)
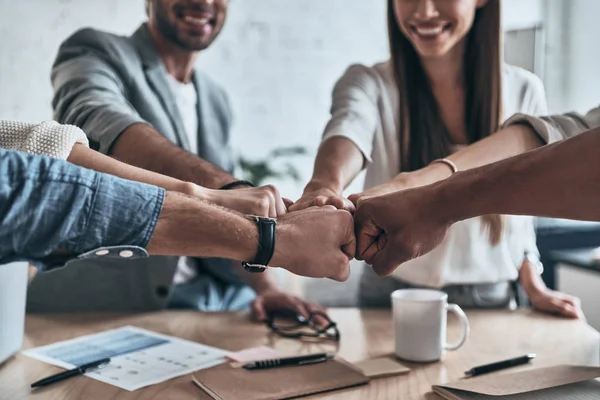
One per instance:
(138,357)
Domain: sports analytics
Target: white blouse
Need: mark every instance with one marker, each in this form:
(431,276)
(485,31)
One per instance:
(47,138)
(365,110)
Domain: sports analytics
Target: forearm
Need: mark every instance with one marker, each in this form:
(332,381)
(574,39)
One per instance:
(49,206)
(88,158)
(508,142)
(337,164)
(140,145)
(560,180)
(191,227)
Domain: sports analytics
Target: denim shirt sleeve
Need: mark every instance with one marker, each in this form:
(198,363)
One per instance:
(50,208)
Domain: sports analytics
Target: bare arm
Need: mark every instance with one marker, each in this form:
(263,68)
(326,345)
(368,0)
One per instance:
(86,157)
(509,142)
(561,180)
(155,153)
(337,164)
(187,226)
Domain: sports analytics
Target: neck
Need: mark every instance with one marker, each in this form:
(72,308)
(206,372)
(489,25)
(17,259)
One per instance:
(447,70)
(179,62)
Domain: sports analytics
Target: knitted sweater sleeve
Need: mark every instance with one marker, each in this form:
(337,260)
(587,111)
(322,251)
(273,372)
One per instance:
(46,138)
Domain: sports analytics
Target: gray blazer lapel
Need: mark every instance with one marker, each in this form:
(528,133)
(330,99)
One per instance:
(156,75)
(213,139)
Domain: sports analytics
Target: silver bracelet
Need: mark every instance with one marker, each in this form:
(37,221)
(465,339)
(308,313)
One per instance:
(449,163)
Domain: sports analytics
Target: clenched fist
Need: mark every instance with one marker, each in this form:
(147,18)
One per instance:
(317,242)
(398,227)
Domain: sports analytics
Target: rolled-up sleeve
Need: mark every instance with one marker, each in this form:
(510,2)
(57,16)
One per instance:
(48,138)
(354,110)
(90,94)
(555,128)
(49,206)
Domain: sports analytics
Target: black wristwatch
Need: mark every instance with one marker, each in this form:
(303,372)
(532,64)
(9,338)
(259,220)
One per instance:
(266,244)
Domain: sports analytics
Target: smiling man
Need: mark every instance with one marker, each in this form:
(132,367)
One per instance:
(141,100)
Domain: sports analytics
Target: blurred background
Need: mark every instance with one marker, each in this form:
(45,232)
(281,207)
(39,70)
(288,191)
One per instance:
(279,60)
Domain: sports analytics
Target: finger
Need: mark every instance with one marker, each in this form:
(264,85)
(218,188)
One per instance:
(280,206)
(319,201)
(348,241)
(367,235)
(387,260)
(297,206)
(571,307)
(354,198)
(341,204)
(320,208)
(272,204)
(552,305)
(287,202)
(258,310)
(319,320)
(342,270)
(299,307)
(569,311)
(336,201)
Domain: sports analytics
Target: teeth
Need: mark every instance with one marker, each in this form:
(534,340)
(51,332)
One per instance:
(429,31)
(195,21)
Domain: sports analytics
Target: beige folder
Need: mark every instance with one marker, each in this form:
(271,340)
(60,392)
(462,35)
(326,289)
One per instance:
(224,382)
(564,382)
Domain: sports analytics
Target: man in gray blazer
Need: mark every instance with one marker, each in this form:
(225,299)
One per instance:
(141,100)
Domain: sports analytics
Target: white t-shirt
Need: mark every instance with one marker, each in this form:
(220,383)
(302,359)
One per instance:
(187,105)
(365,110)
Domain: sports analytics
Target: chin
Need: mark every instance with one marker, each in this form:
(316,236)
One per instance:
(431,52)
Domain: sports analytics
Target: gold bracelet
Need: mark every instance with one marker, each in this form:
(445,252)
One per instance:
(447,162)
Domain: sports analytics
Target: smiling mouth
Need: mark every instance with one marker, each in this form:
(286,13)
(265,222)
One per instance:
(195,18)
(430,32)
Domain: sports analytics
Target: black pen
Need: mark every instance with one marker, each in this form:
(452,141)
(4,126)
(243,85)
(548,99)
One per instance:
(281,362)
(513,362)
(82,369)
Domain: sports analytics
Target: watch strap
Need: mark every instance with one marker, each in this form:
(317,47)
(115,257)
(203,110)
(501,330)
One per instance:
(266,244)
(234,184)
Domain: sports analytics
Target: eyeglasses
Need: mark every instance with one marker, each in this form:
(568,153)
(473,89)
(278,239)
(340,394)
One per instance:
(303,328)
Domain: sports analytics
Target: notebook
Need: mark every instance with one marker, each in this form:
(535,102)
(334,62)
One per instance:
(224,382)
(563,382)
(382,367)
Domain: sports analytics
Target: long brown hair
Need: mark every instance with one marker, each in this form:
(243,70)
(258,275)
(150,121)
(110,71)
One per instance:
(423,135)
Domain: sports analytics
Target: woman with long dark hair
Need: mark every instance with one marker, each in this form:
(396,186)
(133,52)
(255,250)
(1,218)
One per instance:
(418,118)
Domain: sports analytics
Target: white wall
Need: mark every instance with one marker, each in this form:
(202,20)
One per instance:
(517,14)
(572,54)
(583,55)
(277,59)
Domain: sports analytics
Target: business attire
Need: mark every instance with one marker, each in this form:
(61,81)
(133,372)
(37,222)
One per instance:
(104,83)
(559,127)
(475,273)
(48,204)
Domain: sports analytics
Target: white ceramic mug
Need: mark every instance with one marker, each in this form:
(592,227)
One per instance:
(420,317)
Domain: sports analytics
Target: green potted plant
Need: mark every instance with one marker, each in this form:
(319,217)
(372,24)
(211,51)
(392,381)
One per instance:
(274,166)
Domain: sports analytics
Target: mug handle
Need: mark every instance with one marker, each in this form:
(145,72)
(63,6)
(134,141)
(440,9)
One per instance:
(453,308)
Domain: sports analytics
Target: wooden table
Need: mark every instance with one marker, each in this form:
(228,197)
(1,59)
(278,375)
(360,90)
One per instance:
(495,335)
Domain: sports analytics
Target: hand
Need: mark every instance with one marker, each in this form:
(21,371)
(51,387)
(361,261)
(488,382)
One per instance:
(273,299)
(398,227)
(321,196)
(401,182)
(554,302)
(264,201)
(317,242)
